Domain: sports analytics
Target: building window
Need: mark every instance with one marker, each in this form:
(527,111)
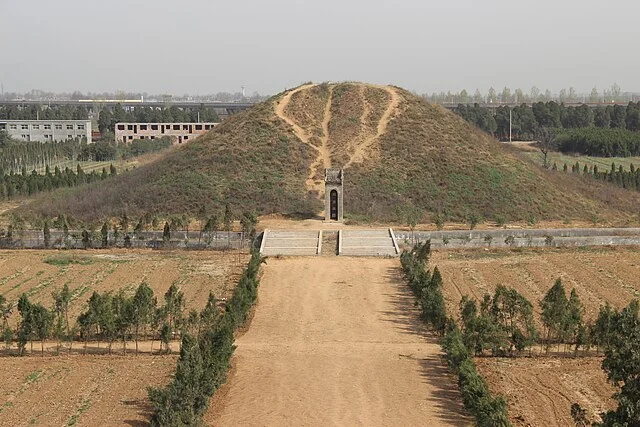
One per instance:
(198,127)
(69,127)
(120,127)
(186,137)
(207,127)
(129,127)
(58,127)
(80,127)
(47,127)
(69,136)
(25,126)
(13,126)
(25,136)
(176,127)
(35,126)
(154,127)
(143,127)
(185,127)
(130,137)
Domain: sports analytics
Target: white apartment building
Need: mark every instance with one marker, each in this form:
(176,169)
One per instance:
(47,130)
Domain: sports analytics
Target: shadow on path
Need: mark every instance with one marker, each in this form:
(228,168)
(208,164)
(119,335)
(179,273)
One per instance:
(405,317)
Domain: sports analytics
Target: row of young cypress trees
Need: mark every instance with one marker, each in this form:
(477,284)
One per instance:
(204,358)
(488,410)
(503,325)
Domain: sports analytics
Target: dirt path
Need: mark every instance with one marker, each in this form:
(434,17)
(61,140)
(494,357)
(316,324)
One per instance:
(336,341)
(363,148)
(324,156)
(279,107)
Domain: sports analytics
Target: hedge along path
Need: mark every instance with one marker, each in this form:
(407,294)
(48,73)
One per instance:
(336,341)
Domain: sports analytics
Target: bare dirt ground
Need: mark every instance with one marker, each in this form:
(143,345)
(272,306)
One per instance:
(540,390)
(89,389)
(598,274)
(38,273)
(279,222)
(80,390)
(336,341)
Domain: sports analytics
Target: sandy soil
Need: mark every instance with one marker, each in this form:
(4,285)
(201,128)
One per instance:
(336,341)
(279,222)
(87,390)
(597,274)
(540,391)
(196,273)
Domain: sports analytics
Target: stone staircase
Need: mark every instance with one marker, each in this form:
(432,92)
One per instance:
(313,243)
(368,243)
(285,243)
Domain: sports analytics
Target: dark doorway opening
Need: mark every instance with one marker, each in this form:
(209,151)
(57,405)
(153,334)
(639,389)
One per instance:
(333,205)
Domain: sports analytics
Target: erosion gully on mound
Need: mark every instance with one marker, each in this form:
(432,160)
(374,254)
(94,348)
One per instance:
(336,341)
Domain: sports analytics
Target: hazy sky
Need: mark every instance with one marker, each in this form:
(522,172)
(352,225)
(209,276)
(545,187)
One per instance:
(199,46)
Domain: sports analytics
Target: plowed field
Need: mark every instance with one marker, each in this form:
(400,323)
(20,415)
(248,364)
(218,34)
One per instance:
(39,273)
(540,390)
(98,390)
(80,390)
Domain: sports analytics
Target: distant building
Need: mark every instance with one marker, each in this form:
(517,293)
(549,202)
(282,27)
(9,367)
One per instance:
(47,130)
(180,132)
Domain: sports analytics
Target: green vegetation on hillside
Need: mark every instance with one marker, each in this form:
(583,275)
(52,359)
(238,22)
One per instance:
(404,158)
(251,162)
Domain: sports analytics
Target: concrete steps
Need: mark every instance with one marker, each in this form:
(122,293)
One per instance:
(313,243)
(367,243)
(305,243)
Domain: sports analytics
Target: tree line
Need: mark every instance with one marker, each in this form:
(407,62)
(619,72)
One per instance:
(599,142)
(28,184)
(502,325)
(108,317)
(488,410)
(527,119)
(618,176)
(38,112)
(518,96)
(16,155)
(204,358)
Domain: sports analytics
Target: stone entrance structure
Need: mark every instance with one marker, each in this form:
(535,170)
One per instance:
(333,194)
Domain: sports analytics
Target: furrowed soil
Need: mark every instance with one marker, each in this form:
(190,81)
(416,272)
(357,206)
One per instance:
(80,390)
(540,390)
(38,273)
(336,341)
(98,389)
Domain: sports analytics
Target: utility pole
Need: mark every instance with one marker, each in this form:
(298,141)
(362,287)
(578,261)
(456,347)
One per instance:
(509,124)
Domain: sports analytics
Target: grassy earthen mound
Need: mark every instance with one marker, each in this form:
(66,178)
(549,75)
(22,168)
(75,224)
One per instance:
(402,157)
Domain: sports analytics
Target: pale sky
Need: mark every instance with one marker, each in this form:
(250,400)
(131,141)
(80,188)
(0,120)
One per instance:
(200,46)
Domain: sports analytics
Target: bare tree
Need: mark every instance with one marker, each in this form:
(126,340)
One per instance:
(546,140)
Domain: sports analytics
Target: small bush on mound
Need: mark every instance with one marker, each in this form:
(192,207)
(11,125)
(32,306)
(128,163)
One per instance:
(489,411)
(204,360)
